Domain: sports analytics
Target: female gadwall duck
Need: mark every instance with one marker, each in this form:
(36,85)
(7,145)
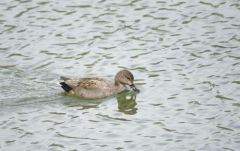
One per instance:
(93,88)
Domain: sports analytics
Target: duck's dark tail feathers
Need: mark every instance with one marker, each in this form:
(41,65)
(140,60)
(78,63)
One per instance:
(65,87)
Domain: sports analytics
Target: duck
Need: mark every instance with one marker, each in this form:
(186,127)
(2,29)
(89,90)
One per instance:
(95,87)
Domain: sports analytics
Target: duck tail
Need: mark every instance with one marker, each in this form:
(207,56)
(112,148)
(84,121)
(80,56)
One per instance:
(65,87)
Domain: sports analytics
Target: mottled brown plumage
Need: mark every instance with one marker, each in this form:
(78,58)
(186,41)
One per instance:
(92,88)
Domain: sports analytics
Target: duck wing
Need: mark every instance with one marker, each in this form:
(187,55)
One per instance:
(85,83)
(92,83)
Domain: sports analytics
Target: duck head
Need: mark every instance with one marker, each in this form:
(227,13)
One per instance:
(125,78)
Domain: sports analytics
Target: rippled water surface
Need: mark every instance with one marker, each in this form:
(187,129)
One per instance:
(184,54)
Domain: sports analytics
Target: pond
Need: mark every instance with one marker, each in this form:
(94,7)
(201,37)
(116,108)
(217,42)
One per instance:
(184,55)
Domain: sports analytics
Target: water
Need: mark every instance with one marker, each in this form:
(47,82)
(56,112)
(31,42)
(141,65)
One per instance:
(184,55)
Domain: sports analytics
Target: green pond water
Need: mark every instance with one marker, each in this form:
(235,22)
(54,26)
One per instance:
(184,54)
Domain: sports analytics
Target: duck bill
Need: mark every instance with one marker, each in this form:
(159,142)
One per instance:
(133,87)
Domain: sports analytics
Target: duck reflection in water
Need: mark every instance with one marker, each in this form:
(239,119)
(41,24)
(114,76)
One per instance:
(127,102)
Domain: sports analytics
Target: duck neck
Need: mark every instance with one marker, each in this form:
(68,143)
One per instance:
(116,83)
(118,86)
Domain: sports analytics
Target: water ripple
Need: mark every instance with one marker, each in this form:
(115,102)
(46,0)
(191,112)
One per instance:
(184,56)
